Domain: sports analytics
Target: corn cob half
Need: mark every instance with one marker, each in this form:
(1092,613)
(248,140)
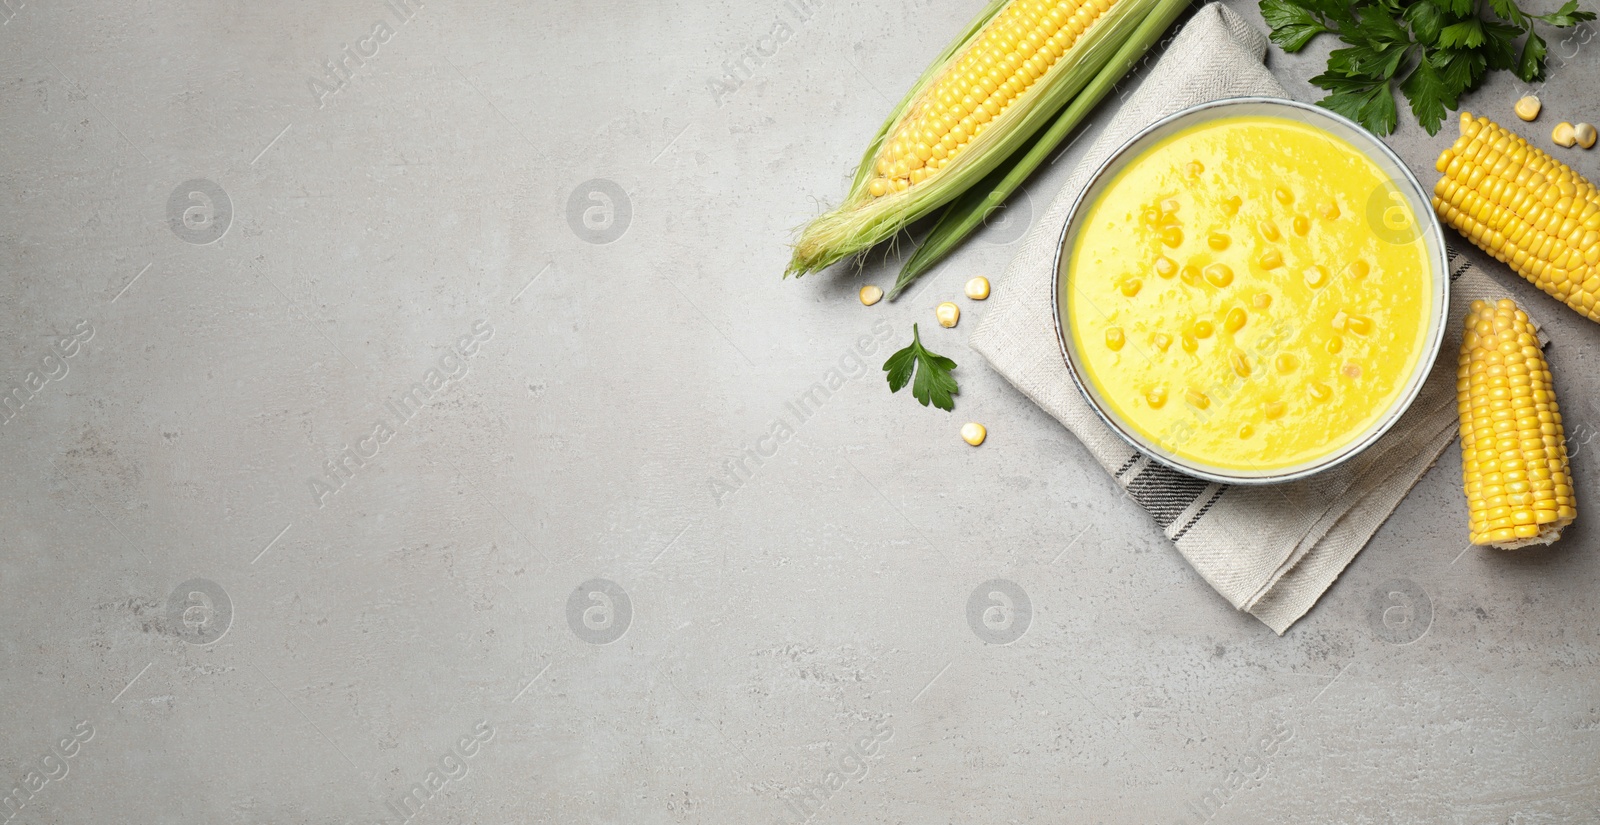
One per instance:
(1513,451)
(1007,75)
(1525,208)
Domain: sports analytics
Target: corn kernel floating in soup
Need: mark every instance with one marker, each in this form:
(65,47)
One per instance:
(1299,324)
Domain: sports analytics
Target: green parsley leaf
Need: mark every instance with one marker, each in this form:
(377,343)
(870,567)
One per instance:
(1343,84)
(1428,96)
(1501,48)
(1433,50)
(1425,20)
(1530,67)
(1365,101)
(1349,104)
(933,382)
(1340,14)
(1292,26)
(1379,114)
(1508,11)
(1468,34)
(1567,15)
(1377,26)
(1460,70)
(1391,62)
(1335,10)
(1372,62)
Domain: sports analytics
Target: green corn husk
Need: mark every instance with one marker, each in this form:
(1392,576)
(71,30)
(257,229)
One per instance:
(968,211)
(863,221)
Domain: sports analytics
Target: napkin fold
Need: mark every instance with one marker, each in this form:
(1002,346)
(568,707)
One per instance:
(1272,550)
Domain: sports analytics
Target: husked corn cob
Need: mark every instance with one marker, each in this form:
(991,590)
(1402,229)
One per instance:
(1525,208)
(1014,67)
(1513,451)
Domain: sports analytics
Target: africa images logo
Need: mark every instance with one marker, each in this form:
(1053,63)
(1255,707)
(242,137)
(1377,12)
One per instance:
(199,612)
(1249,771)
(742,66)
(53,366)
(451,367)
(453,766)
(741,468)
(337,73)
(56,764)
(807,800)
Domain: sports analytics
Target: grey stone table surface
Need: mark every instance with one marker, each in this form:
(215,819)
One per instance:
(408,421)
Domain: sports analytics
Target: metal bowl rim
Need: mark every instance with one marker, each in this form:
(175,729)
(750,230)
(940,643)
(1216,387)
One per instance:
(1425,364)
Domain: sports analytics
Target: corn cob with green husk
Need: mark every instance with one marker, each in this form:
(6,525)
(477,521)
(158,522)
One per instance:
(1002,79)
(970,209)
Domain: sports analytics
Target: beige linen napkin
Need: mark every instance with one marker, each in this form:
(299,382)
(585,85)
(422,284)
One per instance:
(1271,550)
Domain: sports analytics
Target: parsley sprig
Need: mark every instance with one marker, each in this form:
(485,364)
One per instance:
(933,374)
(1435,49)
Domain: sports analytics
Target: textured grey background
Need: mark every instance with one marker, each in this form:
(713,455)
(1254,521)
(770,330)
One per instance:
(766,632)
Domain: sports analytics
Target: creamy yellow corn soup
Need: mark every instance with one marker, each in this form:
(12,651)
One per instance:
(1250,294)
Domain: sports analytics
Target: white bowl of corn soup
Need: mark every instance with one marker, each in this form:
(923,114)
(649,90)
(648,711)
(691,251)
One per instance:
(1251,290)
